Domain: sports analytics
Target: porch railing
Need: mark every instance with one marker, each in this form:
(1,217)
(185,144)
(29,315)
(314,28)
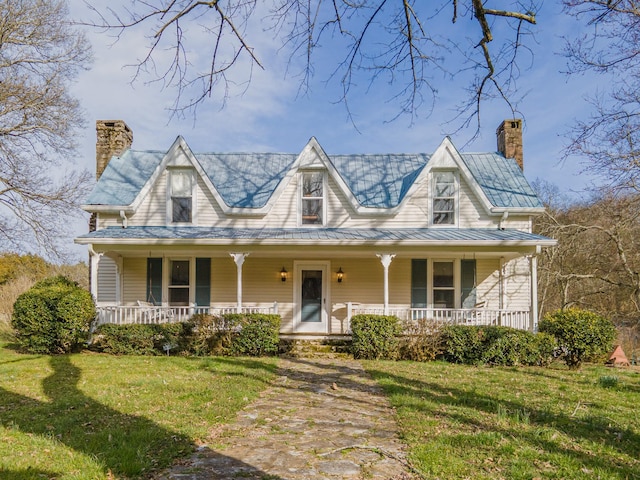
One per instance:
(124,314)
(520,319)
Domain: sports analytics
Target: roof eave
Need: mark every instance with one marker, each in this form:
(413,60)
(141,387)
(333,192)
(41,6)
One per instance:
(518,210)
(315,242)
(91,208)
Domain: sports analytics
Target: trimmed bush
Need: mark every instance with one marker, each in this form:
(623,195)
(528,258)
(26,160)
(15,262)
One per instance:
(462,344)
(210,335)
(422,340)
(53,316)
(254,334)
(581,335)
(233,334)
(495,345)
(143,339)
(375,336)
(130,339)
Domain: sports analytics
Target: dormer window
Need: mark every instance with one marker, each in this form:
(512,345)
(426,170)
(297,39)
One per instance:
(444,198)
(312,197)
(181,195)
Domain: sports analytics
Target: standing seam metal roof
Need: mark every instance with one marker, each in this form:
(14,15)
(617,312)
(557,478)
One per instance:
(305,234)
(248,180)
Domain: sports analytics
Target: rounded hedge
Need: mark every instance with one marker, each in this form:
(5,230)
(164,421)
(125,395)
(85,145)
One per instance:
(581,335)
(375,337)
(53,316)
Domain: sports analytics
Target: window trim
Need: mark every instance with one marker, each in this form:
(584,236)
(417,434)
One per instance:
(302,199)
(455,197)
(190,286)
(194,209)
(455,288)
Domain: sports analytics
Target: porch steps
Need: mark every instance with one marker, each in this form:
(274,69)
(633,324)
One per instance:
(315,348)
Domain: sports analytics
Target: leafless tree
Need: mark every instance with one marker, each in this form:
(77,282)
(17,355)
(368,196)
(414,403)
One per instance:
(396,42)
(596,264)
(609,140)
(39,55)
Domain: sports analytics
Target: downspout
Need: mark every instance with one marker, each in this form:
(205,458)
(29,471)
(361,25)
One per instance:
(505,215)
(125,220)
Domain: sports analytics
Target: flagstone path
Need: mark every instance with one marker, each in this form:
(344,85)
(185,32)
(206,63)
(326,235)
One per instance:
(320,419)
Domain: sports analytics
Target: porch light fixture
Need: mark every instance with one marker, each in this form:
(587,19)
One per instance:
(283,274)
(340,274)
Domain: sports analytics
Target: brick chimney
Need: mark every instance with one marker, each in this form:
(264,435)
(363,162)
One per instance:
(509,135)
(113,138)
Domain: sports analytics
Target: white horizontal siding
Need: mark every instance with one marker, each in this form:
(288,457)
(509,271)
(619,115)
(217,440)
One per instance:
(134,280)
(517,281)
(107,280)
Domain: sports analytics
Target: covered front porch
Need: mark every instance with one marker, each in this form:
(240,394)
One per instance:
(318,296)
(520,319)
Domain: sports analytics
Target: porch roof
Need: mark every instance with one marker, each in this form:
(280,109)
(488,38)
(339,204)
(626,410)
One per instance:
(324,236)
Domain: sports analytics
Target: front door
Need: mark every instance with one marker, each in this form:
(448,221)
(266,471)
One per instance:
(311,297)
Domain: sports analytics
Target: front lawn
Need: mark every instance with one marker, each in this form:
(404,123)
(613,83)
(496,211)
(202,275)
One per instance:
(516,423)
(94,416)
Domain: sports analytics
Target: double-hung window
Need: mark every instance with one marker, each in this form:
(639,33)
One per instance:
(444,294)
(312,197)
(181,195)
(179,281)
(444,198)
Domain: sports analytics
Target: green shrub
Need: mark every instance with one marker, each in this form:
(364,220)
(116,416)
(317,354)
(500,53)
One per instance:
(512,347)
(375,336)
(129,339)
(53,316)
(143,339)
(233,334)
(211,334)
(253,334)
(422,340)
(462,344)
(496,345)
(581,335)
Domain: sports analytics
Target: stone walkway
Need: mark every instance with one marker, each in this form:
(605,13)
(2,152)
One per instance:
(321,419)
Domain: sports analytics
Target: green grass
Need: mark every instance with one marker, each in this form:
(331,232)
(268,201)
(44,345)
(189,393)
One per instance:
(516,423)
(94,416)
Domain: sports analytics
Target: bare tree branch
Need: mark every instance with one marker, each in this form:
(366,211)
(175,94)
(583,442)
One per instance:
(373,42)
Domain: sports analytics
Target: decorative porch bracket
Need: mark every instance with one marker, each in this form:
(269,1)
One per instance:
(239,259)
(385,259)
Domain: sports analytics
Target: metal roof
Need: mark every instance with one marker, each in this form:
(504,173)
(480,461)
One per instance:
(501,180)
(248,180)
(357,235)
(379,181)
(124,177)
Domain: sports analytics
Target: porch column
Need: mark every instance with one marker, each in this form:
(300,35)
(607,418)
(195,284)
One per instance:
(239,259)
(386,259)
(534,291)
(94,260)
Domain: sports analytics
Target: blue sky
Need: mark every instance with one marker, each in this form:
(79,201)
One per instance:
(271,116)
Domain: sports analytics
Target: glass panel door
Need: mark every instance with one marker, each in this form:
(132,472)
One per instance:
(311,297)
(311,294)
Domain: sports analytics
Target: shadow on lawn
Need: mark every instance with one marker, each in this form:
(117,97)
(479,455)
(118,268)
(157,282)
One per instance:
(595,429)
(126,445)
